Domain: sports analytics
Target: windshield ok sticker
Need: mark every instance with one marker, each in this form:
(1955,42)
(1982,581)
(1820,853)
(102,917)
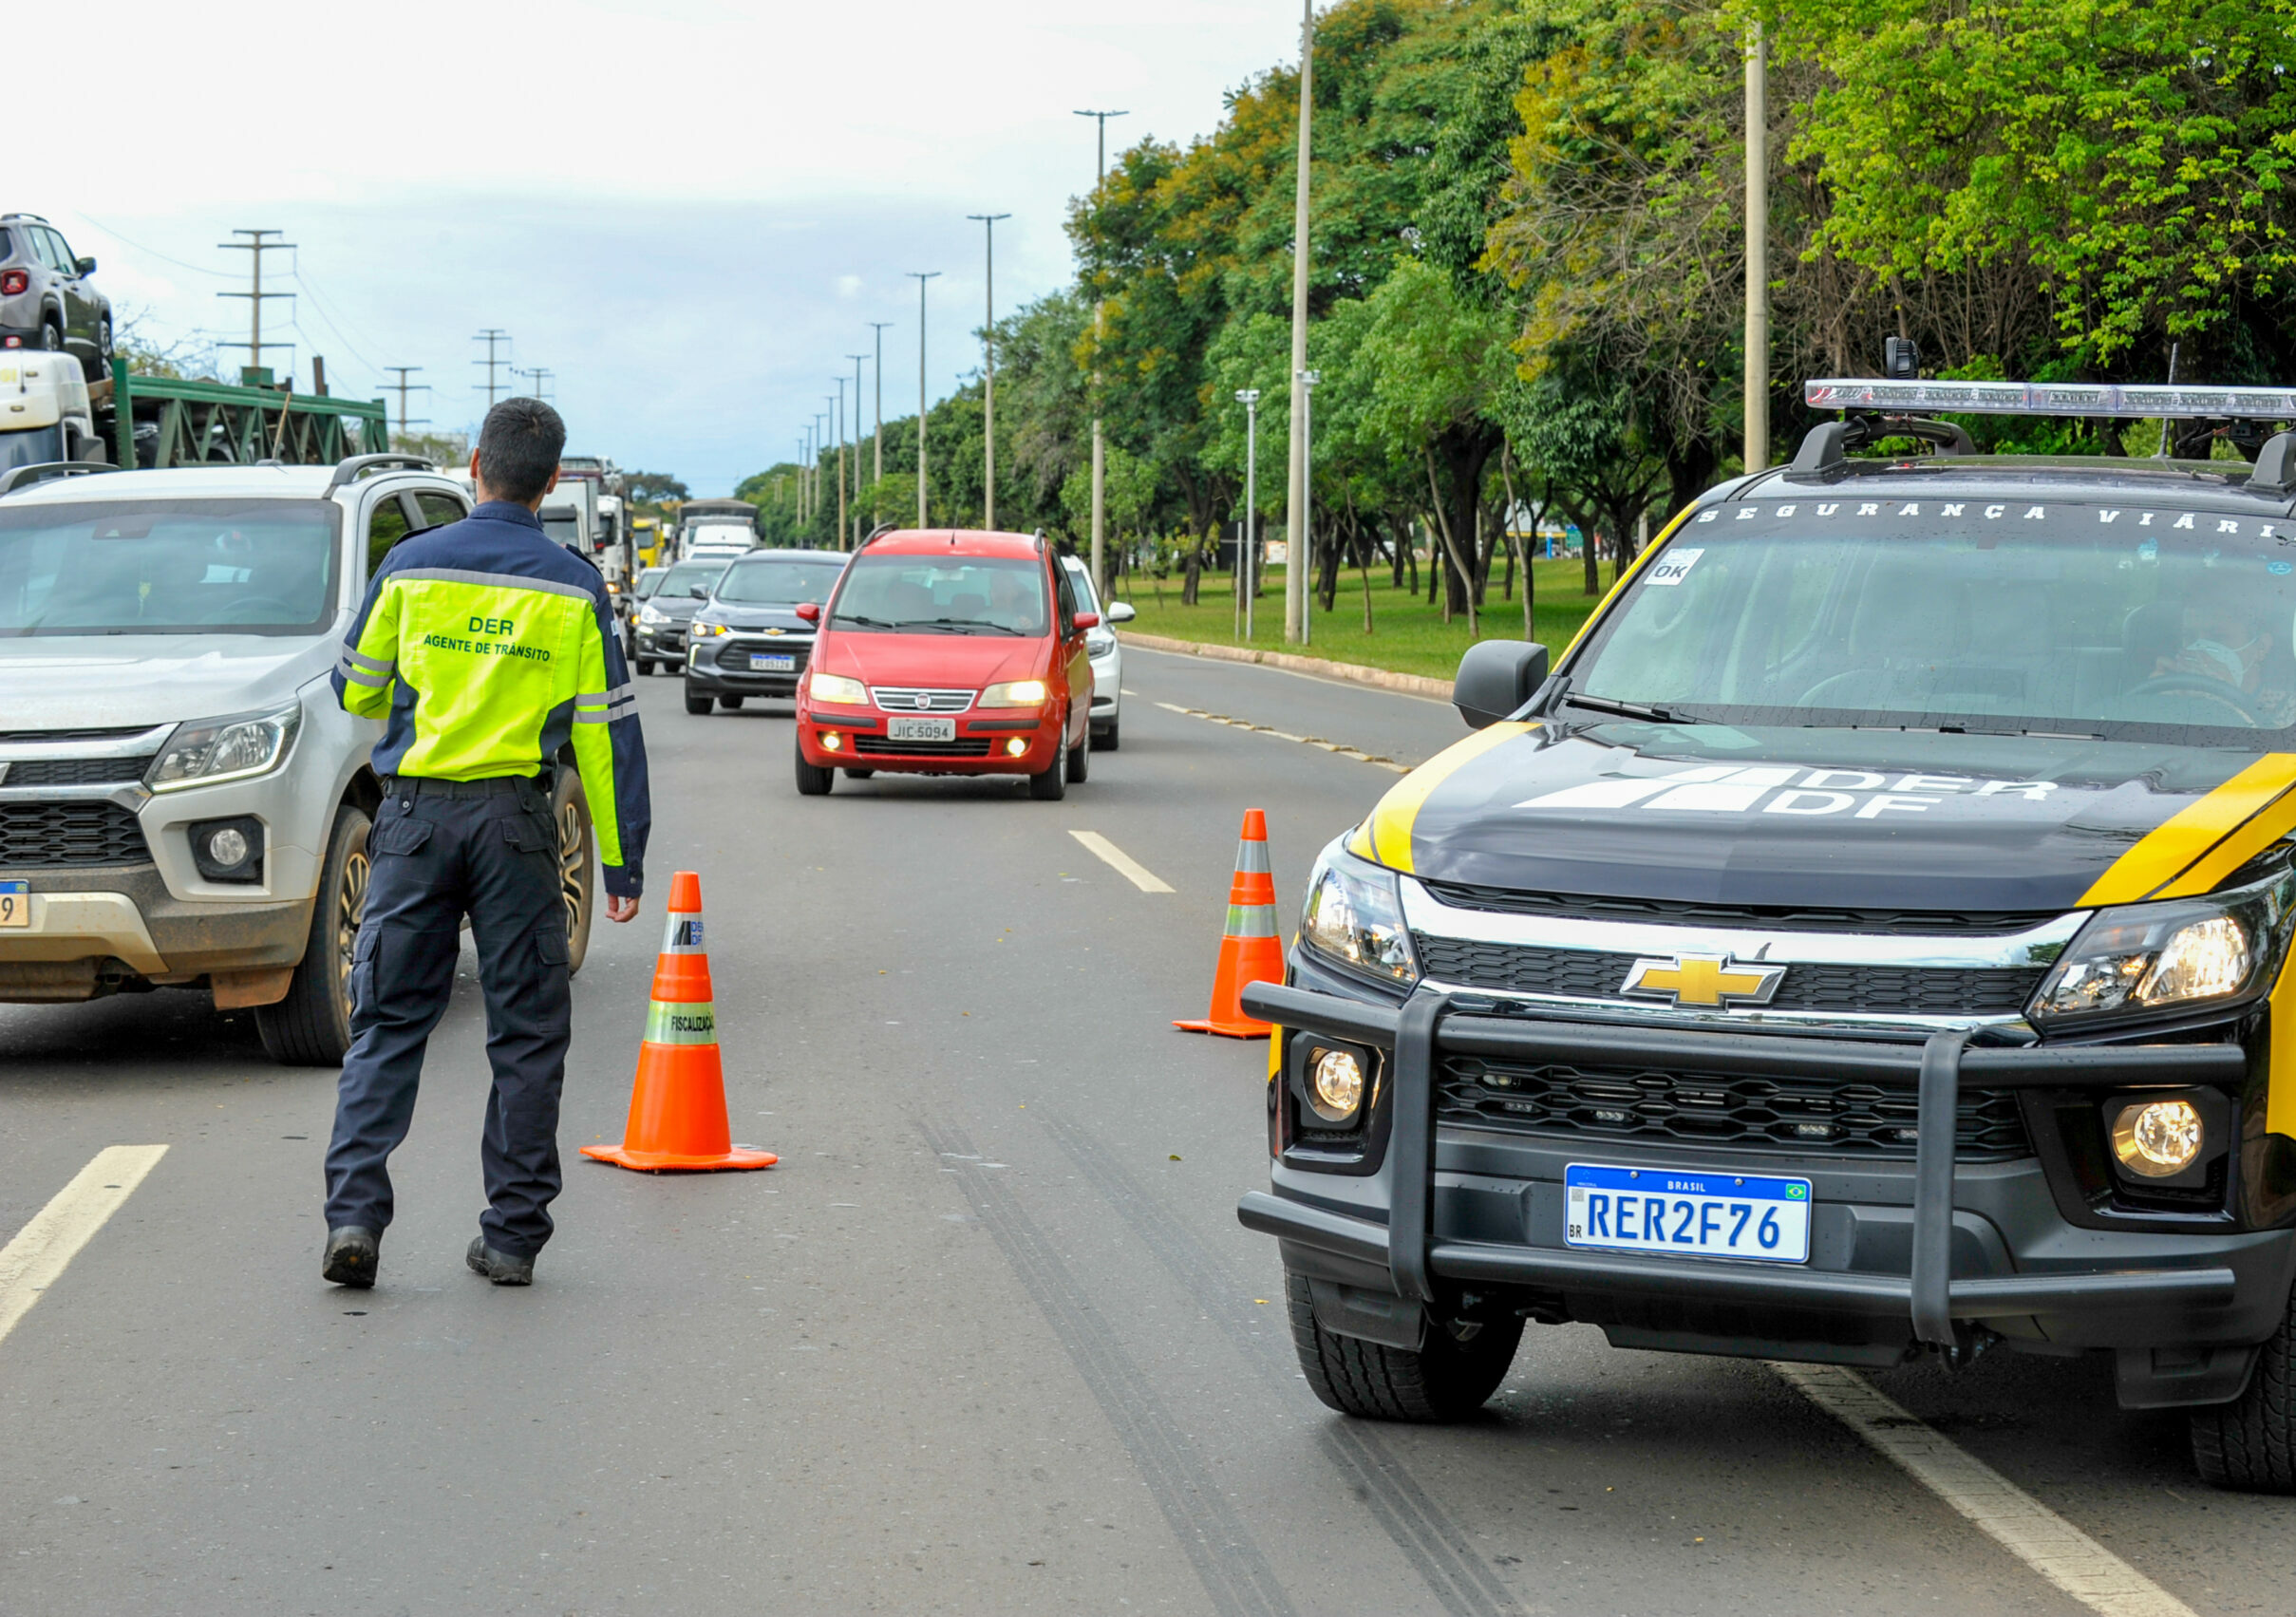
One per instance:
(1673,567)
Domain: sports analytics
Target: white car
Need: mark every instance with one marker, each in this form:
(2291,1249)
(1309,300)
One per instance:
(1107,655)
(184,803)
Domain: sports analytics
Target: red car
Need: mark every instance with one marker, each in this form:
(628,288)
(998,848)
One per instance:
(948,653)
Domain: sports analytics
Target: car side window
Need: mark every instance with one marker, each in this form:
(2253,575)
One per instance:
(59,255)
(1068,598)
(386,526)
(439,509)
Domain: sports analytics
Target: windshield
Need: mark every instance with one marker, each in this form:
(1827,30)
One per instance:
(677,584)
(779,583)
(648,581)
(168,567)
(564,531)
(2123,623)
(949,595)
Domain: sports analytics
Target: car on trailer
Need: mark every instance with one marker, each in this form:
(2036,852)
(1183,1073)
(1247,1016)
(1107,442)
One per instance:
(184,804)
(1868,943)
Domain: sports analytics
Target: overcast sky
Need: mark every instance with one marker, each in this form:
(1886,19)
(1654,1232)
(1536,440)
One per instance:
(688,211)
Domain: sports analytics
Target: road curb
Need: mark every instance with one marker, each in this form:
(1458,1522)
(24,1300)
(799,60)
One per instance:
(1354,673)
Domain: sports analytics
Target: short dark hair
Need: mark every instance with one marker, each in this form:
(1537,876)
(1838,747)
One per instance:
(519,448)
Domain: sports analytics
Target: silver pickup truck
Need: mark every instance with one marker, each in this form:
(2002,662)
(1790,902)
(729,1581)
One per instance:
(182,802)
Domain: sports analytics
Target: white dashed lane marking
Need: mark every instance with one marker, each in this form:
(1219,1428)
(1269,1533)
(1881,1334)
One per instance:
(2004,1511)
(36,1258)
(1339,748)
(1121,862)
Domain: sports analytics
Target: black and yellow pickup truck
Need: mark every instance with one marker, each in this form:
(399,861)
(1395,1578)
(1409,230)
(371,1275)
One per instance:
(1870,940)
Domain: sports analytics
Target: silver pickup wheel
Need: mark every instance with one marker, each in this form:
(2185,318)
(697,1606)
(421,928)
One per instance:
(311,1025)
(577,861)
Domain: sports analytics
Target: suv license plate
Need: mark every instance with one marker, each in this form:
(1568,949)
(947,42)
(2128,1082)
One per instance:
(783,664)
(920,729)
(1687,1214)
(15,903)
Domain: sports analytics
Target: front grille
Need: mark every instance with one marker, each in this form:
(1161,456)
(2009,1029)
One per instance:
(905,700)
(80,734)
(734,659)
(1764,1114)
(1758,917)
(70,834)
(72,771)
(964,747)
(1838,989)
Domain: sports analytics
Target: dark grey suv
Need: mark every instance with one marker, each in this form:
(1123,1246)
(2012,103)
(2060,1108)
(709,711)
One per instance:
(748,639)
(46,300)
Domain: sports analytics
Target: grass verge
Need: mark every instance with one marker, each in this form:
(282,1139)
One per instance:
(1407,634)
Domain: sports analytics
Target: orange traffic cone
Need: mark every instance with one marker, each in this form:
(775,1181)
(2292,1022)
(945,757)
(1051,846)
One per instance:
(677,1105)
(1248,950)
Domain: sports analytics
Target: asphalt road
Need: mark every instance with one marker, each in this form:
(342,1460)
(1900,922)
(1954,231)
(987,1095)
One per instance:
(988,1339)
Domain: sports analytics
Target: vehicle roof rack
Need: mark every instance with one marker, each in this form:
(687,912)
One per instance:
(351,468)
(875,534)
(2275,469)
(1825,451)
(47,471)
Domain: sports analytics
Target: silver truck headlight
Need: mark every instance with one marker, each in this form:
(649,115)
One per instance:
(207,751)
(1354,918)
(2138,958)
(651,614)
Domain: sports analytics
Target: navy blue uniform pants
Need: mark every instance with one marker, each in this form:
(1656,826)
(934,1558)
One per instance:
(442,851)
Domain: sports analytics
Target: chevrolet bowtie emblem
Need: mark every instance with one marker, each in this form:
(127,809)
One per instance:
(770,629)
(1704,979)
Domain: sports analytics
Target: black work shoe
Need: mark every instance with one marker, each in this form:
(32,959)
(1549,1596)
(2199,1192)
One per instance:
(353,1253)
(501,1267)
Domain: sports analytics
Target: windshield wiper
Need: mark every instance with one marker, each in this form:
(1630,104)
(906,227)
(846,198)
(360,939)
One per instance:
(1625,709)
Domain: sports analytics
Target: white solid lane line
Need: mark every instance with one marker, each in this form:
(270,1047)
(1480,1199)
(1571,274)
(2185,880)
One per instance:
(2004,1511)
(32,1262)
(1121,862)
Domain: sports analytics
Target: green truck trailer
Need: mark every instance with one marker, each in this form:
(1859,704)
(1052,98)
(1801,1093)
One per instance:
(168,421)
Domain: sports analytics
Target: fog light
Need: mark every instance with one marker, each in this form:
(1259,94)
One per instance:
(1017,747)
(832,741)
(226,846)
(227,849)
(1335,1086)
(2158,1137)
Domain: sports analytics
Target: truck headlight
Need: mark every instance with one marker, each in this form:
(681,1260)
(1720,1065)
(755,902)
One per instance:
(651,614)
(1354,918)
(836,687)
(709,630)
(2139,958)
(211,750)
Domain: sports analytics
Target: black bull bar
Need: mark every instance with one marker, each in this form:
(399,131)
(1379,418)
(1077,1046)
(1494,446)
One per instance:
(1427,1021)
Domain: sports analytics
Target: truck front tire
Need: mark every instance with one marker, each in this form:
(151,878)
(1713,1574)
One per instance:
(1448,1379)
(311,1025)
(2249,1444)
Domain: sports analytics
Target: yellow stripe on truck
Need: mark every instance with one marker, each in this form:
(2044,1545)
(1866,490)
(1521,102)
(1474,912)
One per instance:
(2204,841)
(1623,579)
(1391,821)
(2279,1099)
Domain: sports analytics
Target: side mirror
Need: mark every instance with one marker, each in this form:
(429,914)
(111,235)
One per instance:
(698,591)
(85,266)
(810,610)
(1495,677)
(1121,611)
(1088,620)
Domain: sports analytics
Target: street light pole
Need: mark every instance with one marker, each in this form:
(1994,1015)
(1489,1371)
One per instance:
(877,438)
(800,479)
(1758,250)
(840,426)
(819,503)
(854,532)
(922,277)
(989,377)
(1099,459)
(1296,517)
(1247,575)
(1307,379)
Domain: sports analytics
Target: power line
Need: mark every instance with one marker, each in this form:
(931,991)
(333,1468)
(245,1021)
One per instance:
(125,241)
(492,335)
(403,387)
(255,247)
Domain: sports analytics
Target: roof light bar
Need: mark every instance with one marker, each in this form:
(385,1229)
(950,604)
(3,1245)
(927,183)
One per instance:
(2050,399)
